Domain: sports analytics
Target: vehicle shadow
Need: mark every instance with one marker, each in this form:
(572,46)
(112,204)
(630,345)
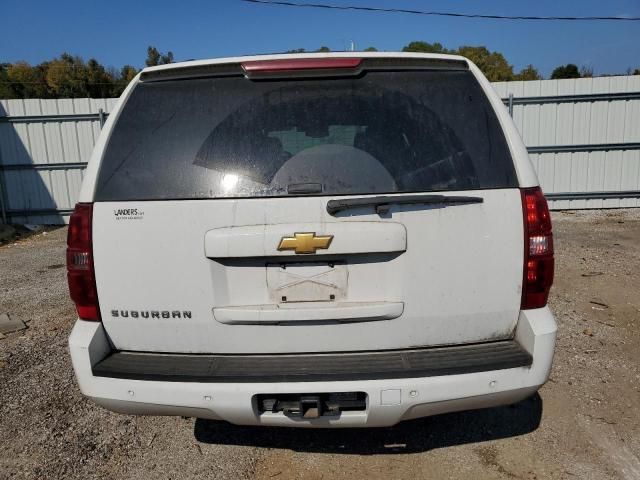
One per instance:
(407,437)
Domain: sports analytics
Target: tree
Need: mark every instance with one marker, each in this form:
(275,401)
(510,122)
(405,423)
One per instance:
(155,57)
(27,81)
(67,77)
(636,71)
(371,49)
(167,58)
(99,82)
(565,71)
(122,79)
(302,50)
(586,71)
(127,73)
(528,73)
(5,87)
(493,64)
(425,47)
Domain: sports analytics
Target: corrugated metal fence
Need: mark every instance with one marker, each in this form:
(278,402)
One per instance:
(44,147)
(583,137)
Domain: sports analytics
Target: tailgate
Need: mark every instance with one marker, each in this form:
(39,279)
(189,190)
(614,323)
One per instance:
(207,276)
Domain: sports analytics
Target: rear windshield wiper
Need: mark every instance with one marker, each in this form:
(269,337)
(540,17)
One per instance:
(383,204)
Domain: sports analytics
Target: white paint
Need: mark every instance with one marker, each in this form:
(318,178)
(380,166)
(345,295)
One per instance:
(233,402)
(391,396)
(459,277)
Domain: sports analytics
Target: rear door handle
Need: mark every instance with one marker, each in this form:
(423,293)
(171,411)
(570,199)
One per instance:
(349,237)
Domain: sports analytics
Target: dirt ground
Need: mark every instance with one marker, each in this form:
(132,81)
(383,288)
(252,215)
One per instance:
(584,424)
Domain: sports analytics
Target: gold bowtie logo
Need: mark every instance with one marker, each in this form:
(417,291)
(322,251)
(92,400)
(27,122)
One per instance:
(305,242)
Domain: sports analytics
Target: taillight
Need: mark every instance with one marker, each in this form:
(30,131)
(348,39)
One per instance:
(80,273)
(538,249)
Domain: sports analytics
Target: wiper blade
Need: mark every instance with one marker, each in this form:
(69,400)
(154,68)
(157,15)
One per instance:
(383,204)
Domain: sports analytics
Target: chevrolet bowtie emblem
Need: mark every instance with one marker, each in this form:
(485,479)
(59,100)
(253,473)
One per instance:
(305,242)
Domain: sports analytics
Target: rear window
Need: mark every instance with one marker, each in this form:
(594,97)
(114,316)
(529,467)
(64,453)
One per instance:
(380,132)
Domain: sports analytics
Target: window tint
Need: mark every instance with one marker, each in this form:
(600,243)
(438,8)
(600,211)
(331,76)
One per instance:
(383,132)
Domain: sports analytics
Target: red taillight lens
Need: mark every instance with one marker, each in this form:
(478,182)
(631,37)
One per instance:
(538,249)
(80,274)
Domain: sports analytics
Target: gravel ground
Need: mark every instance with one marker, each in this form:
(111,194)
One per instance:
(585,423)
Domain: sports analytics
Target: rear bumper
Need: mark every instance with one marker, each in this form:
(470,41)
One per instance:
(390,400)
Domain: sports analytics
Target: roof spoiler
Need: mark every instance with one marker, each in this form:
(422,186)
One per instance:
(296,67)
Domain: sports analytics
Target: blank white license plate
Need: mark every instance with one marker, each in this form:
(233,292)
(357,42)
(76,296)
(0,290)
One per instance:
(307,282)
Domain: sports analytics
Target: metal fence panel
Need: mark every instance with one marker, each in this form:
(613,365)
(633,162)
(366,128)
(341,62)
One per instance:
(583,137)
(42,154)
(609,123)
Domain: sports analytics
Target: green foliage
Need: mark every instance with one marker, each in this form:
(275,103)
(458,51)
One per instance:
(528,73)
(69,76)
(323,49)
(493,64)
(155,57)
(565,71)
(5,87)
(99,81)
(26,82)
(128,72)
(371,49)
(425,47)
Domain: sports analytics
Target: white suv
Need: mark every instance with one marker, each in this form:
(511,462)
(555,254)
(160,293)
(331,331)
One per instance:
(316,240)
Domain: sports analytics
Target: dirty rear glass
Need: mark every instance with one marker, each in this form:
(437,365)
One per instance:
(382,132)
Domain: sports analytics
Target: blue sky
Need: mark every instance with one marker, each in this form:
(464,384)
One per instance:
(117,32)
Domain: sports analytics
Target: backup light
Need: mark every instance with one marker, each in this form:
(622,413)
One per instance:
(538,245)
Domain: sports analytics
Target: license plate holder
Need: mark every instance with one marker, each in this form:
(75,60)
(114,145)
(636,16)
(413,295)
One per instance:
(307,281)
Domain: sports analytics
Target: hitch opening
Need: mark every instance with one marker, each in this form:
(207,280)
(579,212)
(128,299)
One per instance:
(312,405)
